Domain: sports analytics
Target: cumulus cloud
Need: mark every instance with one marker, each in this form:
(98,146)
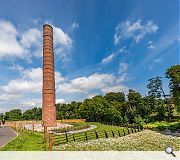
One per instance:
(29,83)
(9,44)
(62,43)
(134,30)
(85,84)
(28,43)
(108,58)
(31,37)
(95,82)
(61,38)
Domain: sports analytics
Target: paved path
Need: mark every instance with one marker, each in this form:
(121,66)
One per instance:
(6,134)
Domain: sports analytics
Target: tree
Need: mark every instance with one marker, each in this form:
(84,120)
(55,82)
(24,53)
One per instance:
(134,102)
(111,96)
(155,87)
(14,115)
(1,116)
(173,73)
(139,121)
(32,114)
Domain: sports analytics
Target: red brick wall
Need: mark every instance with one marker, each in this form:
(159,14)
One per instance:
(48,92)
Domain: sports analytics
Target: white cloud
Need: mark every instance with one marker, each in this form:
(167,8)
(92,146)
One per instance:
(108,58)
(85,84)
(30,103)
(123,50)
(29,83)
(151,45)
(28,43)
(100,83)
(7,97)
(60,101)
(123,67)
(9,45)
(123,72)
(74,26)
(61,38)
(21,86)
(134,30)
(158,60)
(16,67)
(25,90)
(118,88)
(31,37)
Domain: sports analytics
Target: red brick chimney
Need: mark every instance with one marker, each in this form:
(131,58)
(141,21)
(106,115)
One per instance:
(48,92)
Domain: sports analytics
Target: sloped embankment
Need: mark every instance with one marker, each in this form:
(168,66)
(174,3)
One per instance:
(142,141)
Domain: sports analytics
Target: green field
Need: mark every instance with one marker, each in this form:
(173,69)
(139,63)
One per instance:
(173,126)
(142,141)
(91,135)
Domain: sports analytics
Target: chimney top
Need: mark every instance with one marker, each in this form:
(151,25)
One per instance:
(47,25)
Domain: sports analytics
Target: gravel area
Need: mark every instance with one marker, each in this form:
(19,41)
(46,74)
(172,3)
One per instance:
(79,131)
(40,128)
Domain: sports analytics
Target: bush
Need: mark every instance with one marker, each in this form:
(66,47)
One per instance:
(139,121)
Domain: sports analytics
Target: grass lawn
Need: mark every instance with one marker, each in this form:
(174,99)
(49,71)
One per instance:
(61,139)
(26,142)
(142,141)
(173,126)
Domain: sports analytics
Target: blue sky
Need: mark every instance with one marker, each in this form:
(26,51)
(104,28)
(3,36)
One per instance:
(99,46)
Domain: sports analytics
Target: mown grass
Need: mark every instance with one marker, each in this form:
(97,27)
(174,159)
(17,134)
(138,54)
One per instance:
(142,141)
(173,126)
(91,135)
(26,141)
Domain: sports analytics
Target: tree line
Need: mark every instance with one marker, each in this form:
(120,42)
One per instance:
(119,108)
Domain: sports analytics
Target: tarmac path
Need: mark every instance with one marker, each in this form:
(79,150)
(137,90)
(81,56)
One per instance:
(6,135)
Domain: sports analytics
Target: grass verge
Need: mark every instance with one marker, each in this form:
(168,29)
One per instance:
(26,141)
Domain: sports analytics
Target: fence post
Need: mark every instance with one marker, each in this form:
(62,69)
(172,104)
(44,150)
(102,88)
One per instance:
(50,143)
(128,130)
(106,134)
(33,127)
(132,130)
(45,134)
(124,132)
(74,138)
(119,133)
(66,136)
(113,134)
(96,135)
(86,136)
